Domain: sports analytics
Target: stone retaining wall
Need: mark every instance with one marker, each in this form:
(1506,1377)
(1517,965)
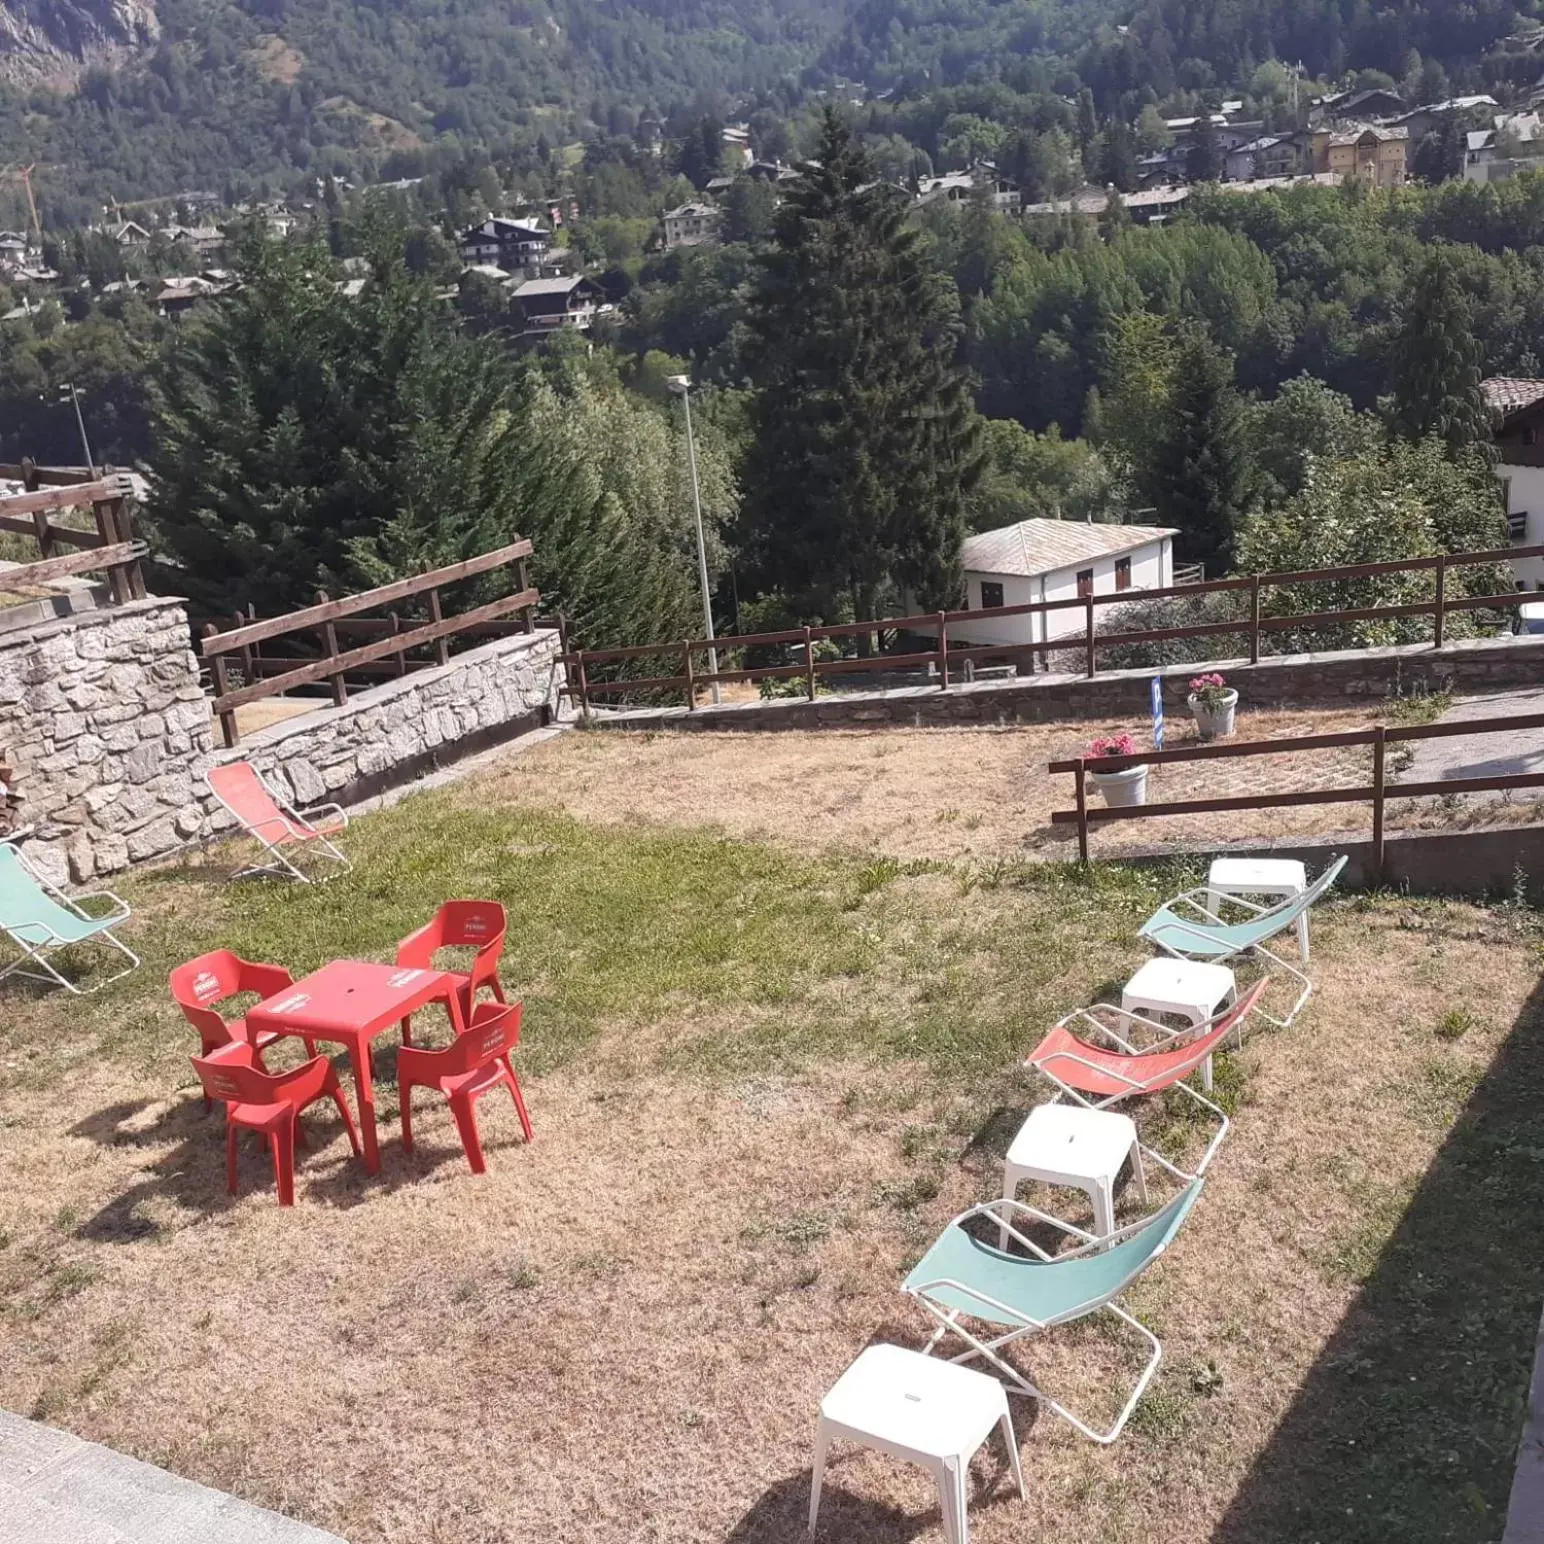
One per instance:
(106,726)
(108,729)
(1290,680)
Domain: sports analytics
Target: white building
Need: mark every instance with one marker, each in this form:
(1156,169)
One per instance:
(960,187)
(1517,409)
(1045,560)
(692,225)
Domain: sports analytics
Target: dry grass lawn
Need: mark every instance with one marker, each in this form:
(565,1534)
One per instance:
(762,1076)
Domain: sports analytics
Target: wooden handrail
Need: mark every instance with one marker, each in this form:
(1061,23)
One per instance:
(328,611)
(74,563)
(1377,793)
(119,486)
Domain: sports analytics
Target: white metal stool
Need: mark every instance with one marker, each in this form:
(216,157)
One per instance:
(1276,879)
(1064,1144)
(921,1409)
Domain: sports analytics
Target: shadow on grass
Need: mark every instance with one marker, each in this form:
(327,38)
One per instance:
(1407,1426)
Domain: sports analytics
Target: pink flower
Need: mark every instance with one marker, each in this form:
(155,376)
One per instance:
(1201,682)
(1113,745)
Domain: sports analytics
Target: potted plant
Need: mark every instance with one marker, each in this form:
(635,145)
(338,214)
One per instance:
(1126,787)
(1212,702)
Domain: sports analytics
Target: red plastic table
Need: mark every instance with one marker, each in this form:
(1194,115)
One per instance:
(351,1002)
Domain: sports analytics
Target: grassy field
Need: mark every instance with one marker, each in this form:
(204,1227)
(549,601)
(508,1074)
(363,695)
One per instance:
(763,1072)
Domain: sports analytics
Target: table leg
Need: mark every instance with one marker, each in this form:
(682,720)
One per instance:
(1302,935)
(1012,1178)
(1014,1460)
(364,1091)
(1138,1172)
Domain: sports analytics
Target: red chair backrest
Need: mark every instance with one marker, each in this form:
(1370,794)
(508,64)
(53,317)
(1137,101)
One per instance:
(201,983)
(1093,1070)
(493,1032)
(238,787)
(479,925)
(229,1073)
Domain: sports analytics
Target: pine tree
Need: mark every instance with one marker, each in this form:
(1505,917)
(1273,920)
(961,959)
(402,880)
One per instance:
(1201,474)
(865,437)
(1203,163)
(1115,157)
(700,157)
(1436,360)
(1087,119)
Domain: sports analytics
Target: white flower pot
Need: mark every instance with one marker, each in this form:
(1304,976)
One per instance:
(1124,788)
(1214,723)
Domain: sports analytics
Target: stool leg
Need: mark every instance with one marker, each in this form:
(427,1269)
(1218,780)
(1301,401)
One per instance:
(1014,1461)
(1104,1209)
(1302,935)
(1137,1171)
(1206,1075)
(947,1473)
(1012,1178)
(822,1443)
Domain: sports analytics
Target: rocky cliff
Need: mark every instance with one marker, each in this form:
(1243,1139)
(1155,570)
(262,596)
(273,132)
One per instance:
(52,42)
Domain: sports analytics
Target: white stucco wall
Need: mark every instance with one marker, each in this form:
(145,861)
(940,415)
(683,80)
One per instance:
(1152,568)
(1525,495)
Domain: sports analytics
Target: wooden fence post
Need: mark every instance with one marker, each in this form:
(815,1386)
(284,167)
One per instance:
(691,684)
(1254,619)
(134,572)
(1377,805)
(107,529)
(1088,635)
(330,645)
(45,533)
(396,627)
(1082,792)
(943,650)
(809,663)
(248,659)
(228,729)
(527,621)
(584,688)
(441,648)
(1441,607)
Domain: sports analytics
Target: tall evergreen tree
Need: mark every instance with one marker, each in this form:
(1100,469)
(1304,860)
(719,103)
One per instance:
(1201,473)
(865,438)
(700,157)
(1203,161)
(1435,367)
(1115,157)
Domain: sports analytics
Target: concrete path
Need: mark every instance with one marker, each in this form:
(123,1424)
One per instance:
(56,1489)
(1525,1514)
(1481,755)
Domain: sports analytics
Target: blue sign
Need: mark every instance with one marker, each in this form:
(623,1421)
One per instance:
(1157,693)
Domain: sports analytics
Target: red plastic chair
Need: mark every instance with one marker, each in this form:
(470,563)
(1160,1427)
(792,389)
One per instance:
(201,983)
(479,925)
(269,1103)
(464,1071)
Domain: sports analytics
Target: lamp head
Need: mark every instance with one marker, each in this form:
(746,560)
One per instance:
(679,385)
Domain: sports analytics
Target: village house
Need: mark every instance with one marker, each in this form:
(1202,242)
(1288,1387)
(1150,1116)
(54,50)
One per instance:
(1048,560)
(549,306)
(128,233)
(1517,415)
(1375,103)
(515,245)
(691,225)
(1369,152)
(1272,155)
(959,187)
(203,239)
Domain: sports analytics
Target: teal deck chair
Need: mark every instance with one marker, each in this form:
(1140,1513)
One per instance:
(39,919)
(965,1277)
(1202,935)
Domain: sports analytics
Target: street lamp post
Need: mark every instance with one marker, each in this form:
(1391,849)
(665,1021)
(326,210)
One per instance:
(681,385)
(81,421)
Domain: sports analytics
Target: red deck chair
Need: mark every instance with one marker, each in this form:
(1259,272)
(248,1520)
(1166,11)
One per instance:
(464,1071)
(269,1103)
(1098,1078)
(201,983)
(275,824)
(478,925)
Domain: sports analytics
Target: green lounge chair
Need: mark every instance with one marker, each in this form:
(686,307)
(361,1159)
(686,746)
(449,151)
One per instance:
(1201,934)
(39,919)
(965,1277)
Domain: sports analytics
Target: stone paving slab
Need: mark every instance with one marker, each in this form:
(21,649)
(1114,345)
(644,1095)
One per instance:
(57,1489)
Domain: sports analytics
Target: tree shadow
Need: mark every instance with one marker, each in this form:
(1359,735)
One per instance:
(1407,1426)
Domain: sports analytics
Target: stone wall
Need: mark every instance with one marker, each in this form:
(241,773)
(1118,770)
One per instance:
(1289,680)
(393,733)
(104,721)
(108,729)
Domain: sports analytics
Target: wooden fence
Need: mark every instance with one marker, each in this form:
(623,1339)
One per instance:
(1377,792)
(109,546)
(240,646)
(947,661)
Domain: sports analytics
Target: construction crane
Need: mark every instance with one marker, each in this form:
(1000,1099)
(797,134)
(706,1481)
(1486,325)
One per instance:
(23,174)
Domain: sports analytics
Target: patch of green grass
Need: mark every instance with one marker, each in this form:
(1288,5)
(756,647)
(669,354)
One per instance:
(1455,1024)
(1418,708)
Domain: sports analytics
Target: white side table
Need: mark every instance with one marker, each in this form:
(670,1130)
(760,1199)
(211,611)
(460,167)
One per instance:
(1064,1144)
(1277,879)
(921,1409)
(1186,988)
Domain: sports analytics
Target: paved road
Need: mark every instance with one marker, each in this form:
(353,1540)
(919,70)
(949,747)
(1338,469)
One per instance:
(56,1489)
(1482,755)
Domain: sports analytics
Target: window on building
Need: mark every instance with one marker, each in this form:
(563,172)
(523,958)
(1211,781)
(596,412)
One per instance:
(991,595)
(1085,582)
(1517,525)
(1123,573)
